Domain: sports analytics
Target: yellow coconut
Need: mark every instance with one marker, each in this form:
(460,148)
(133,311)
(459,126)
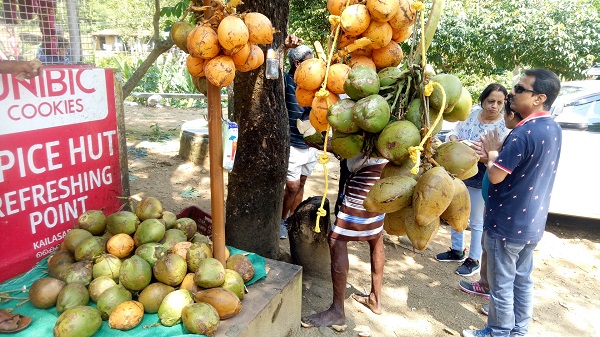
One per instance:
(405,16)
(318,113)
(232,33)
(457,158)
(461,109)
(390,194)
(355,19)
(203,42)
(345,40)
(382,10)
(420,236)
(305,97)
(195,65)
(380,32)
(220,71)
(432,195)
(310,74)
(241,56)
(335,7)
(388,56)
(367,51)
(393,223)
(457,213)
(390,169)
(400,35)
(255,59)
(355,61)
(338,73)
(260,28)
(120,245)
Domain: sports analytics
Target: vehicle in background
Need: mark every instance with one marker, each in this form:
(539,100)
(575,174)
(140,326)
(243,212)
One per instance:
(577,183)
(594,72)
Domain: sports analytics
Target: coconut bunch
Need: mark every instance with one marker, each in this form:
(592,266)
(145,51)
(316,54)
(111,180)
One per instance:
(389,114)
(132,263)
(222,44)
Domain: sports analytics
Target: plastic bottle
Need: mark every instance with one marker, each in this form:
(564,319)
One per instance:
(272,65)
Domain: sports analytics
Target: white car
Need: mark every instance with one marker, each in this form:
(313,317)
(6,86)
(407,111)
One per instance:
(577,185)
(577,111)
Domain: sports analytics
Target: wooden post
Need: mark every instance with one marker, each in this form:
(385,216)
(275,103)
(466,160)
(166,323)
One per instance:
(215,155)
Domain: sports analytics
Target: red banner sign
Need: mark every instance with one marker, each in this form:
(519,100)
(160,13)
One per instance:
(59,157)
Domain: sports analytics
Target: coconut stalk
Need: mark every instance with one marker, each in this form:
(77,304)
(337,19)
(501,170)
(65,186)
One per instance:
(432,23)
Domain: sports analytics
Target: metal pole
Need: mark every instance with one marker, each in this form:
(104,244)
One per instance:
(215,155)
(74,33)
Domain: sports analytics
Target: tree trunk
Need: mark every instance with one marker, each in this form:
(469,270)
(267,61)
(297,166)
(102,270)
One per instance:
(256,184)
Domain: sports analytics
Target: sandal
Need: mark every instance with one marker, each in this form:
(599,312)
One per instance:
(11,323)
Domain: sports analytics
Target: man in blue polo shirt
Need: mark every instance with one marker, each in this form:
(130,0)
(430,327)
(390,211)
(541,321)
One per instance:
(521,177)
(303,158)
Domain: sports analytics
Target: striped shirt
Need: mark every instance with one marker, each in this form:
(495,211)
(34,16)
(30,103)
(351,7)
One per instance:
(295,112)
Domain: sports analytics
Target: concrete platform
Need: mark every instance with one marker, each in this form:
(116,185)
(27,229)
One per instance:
(272,306)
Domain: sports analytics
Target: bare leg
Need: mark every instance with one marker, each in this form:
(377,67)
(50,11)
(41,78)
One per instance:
(289,195)
(373,300)
(299,195)
(339,274)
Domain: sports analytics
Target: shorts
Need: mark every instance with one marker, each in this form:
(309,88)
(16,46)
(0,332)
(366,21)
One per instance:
(302,162)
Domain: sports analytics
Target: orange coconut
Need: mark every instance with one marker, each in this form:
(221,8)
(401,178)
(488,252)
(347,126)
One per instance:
(402,34)
(241,55)
(232,33)
(304,97)
(255,59)
(120,245)
(380,32)
(361,61)
(220,71)
(338,73)
(259,28)
(355,19)
(405,16)
(345,40)
(203,42)
(195,65)
(336,7)
(310,74)
(388,56)
(318,113)
(382,10)
(367,51)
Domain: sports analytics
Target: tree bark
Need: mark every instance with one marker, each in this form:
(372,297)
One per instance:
(256,184)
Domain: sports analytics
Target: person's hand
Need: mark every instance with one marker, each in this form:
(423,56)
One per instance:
(478,148)
(292,41)
(26,69)
(491,141)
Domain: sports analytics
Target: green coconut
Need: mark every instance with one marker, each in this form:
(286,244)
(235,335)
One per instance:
(99,285)
(151,252)
(347,145)
(199,238)
(390,194)
(169,218)
(393,141)
(79,321)
(339,116)
(150,230)
(234,283)
(461,109)
(186,225)
(172,237)
(200,318)
(362,81)
(75,237)
(420,236)
(242,264)
(107,265)
(390,169)
(93,221)
(59,263)
(452,88)
(90,248)
(111,298)
(122,222)
(210,273)
(432,117)
(79,272)
(458,159)
(72,295)
(135,273)
(312,136)
(432,195)
(389,76)
(198,251)
(170,309)
(148,208)
(413,113)
(152,296)
(170,269)
(371,113)
(458,212)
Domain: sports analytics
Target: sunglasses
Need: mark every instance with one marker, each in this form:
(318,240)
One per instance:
(519,89)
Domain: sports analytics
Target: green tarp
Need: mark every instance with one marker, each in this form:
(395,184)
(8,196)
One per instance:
(43,320)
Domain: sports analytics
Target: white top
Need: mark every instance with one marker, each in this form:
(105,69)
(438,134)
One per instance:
(472,129)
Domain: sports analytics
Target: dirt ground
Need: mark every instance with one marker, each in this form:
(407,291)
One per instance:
(420,295)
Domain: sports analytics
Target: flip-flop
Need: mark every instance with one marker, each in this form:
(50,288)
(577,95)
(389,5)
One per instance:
(11,323)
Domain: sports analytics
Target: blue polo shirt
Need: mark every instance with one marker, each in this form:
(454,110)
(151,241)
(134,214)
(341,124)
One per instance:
(295,112)
(518,206)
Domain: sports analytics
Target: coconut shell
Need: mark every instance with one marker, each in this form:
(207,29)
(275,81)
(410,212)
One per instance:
(347,145)
(432,195)
(75,237)
(362,81)
(452,88)
(225,301)
(196,253)
(390,169)
(43,293)
(234,282)
(135,273)
(260,28)
(420,236)
(458,212)
(390,194)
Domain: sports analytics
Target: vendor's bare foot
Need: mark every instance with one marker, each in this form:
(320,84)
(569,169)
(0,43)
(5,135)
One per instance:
(366,301)
(328,317)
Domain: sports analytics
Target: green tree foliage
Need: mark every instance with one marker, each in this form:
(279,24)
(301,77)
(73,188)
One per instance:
(489,37)
(308,20)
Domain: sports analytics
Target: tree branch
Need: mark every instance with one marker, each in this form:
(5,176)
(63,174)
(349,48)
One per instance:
(159,48)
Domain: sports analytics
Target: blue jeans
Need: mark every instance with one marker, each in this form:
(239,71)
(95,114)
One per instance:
(475,223)
(511,287)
